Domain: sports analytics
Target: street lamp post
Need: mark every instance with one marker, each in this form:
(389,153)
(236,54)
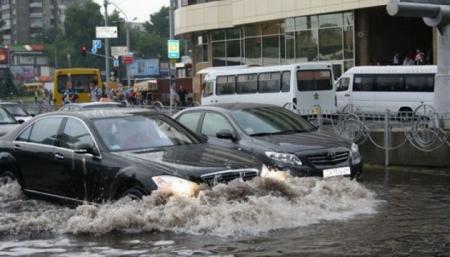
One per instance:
(106,44)
(127,28)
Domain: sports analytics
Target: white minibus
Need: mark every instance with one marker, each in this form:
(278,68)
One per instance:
(306,87)
(378,88)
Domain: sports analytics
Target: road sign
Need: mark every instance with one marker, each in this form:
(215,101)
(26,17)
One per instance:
(173,47)
(106,32)
(96,44)
(127,59)
(119,50)
(116,63)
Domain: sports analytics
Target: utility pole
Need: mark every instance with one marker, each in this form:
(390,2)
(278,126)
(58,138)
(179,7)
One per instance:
(106,44)
(128,47)
(172,64)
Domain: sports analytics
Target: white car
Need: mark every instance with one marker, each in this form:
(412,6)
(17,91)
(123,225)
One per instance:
(17,110)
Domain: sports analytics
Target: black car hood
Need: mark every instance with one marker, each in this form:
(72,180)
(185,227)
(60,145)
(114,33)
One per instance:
(192,161)
(299,142)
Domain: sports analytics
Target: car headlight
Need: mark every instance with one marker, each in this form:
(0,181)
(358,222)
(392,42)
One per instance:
(354,151)
(285,158)
(175,185)
(273,173)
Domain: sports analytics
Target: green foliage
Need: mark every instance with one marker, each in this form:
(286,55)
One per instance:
(159,23)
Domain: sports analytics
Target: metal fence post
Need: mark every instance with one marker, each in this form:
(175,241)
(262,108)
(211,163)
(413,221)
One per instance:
(386,138)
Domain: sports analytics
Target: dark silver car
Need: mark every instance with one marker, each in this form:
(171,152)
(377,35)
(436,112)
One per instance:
(280,138)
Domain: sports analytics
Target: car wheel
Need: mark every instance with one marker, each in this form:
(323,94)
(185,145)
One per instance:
(134,193)
(7,177)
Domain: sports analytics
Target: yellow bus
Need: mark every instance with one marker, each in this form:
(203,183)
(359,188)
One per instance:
(75,80)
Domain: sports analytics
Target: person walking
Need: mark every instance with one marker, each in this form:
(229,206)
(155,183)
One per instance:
(182,95)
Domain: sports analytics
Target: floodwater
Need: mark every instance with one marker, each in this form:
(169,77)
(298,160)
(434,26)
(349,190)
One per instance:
(390,213)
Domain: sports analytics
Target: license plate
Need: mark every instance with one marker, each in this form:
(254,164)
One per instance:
(336,172)
(316,110)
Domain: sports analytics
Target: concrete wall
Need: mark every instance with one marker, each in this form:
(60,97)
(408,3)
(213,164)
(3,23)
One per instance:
(407,155)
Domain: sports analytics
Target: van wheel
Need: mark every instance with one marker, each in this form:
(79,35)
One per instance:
(405,113)
(7,177)
(134,193)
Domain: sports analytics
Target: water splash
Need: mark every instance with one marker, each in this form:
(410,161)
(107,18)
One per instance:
(237,209)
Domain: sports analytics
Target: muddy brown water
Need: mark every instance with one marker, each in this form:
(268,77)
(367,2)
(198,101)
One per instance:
(398,212)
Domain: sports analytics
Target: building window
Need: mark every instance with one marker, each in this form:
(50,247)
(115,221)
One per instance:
(201,48)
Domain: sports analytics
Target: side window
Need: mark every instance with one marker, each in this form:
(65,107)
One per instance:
(269,82)
(25,135)
(247,84)
(364,83)
(419,83)
(76,135)
(343,84)
(208,87)
(389,83)
(213,123)
(190,120)
(45,131)
(226,85)
(286,81)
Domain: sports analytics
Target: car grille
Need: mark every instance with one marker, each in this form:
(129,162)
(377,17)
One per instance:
(229,175)
(328,159)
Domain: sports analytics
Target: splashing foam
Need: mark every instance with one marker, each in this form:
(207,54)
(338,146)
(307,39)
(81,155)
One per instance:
(237,209)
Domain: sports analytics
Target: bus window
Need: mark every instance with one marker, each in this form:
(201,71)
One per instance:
(389,83)
(208,88)
(80,82)
(343,84)
(419,83)
(286,81)
(247,84)
(225,85)
(269,82)
(364,83)
(312,80)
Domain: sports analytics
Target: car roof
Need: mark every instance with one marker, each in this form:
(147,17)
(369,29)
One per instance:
(103,113)
(226,107)
(9,103)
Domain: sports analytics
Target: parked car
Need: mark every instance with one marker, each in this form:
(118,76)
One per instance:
(105,155)
(7,122)
(280,138)
(90,106)
(17,110)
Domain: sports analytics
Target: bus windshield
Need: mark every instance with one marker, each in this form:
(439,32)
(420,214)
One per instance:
(79,82)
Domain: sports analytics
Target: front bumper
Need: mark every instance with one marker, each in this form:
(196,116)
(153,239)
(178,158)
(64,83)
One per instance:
(307,171)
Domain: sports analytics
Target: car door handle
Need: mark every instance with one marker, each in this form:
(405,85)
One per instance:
(16,147)
(59,156)
(347,95)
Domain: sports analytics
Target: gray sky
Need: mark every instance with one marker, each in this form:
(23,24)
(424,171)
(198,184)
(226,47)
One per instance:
(137,8)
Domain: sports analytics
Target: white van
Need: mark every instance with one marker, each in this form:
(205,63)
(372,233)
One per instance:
(307,87)
(378,88)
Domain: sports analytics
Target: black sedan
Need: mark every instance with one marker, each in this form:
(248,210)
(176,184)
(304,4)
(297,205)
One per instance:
(105,155)
(281,139)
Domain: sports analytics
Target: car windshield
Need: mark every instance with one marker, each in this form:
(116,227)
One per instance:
(141,132)
(270,121)
(15,110)
(6,118)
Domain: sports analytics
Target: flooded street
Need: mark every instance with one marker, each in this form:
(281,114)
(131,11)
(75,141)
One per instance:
(397,212)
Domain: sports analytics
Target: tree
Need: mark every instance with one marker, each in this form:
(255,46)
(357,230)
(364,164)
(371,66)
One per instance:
(159,23)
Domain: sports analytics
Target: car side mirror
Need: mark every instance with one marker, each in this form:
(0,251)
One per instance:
(20,121)
(226,134)
(32,115)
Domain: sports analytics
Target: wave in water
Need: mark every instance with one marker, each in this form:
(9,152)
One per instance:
(237,209)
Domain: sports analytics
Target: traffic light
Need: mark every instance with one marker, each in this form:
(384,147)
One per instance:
(83,51)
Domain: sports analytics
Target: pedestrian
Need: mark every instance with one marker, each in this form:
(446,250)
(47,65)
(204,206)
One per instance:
(396,59)
(182,95)
(94,91)
(419,59)
(35,95)
(408,61)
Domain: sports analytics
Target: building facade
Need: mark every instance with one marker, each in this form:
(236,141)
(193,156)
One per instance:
(267,32)
(25,20)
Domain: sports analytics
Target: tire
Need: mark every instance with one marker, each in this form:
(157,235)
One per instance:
(134,193)
(7,177)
